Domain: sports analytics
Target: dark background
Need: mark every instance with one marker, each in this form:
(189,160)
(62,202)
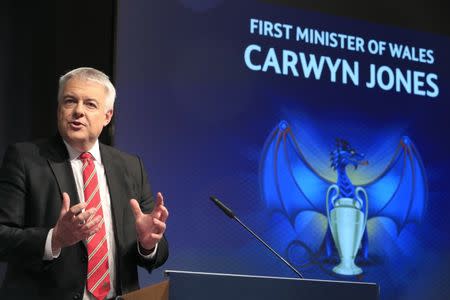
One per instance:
(40,41)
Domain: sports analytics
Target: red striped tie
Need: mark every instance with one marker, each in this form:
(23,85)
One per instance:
(98,281)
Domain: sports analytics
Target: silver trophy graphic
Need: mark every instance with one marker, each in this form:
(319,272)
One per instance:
(347,223)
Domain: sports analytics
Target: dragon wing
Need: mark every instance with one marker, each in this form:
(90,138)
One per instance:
(288,182)
(400,191)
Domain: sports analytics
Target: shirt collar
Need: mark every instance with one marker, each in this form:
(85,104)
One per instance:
(74,154)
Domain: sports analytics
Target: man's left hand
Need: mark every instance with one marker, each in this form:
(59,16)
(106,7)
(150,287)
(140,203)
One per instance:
(150,227)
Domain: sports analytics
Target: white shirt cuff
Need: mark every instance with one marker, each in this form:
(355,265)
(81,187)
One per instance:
(48,253)
(151,255)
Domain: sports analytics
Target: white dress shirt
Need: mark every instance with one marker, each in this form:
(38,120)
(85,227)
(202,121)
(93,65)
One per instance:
(105,199)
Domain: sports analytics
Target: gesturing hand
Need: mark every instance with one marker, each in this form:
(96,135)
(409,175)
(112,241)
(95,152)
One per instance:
(73,224)
(150,227)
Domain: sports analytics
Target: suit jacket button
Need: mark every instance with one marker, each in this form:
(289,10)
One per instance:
(77,296)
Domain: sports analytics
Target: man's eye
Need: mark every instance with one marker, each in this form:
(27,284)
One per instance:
(91,105)
(69,101)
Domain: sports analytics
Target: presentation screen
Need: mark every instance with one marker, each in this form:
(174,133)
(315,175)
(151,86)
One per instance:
(328,136)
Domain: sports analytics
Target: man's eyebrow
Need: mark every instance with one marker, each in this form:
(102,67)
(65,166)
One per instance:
(68,94)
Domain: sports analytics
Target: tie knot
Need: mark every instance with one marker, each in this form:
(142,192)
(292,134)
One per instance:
(86,156)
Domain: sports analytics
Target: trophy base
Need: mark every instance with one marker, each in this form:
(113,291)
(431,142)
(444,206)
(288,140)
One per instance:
(347,269)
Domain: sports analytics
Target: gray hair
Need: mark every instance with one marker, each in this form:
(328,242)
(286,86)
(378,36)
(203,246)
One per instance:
(92,75)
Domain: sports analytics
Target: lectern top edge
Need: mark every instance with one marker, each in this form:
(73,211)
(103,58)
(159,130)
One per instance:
(167,273)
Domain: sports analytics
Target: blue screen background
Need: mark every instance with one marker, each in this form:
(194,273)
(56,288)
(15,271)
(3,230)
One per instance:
(199,117)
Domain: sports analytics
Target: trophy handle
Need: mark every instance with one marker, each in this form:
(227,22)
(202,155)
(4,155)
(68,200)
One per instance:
(363,191)
(332,187)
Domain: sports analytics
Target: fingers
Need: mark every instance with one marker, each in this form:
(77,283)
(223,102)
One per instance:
(135,208)
(75,223)
(156,236)
(159,199)
(164,214)
(153,234)
(78,208)
(65,204)
(74,211)
(68,212)
(160,211)
(92,226)
(84,217)
(160,227)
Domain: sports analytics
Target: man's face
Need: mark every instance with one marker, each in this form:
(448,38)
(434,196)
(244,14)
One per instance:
(82,113)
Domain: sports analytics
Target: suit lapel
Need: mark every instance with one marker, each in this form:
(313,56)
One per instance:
(58,159)
(114,177)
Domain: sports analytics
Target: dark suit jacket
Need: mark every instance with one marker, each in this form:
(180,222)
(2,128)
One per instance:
(32,179)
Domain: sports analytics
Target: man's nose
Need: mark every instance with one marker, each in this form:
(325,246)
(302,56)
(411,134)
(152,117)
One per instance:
(78,110)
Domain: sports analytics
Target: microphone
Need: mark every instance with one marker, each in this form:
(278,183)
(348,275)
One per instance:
(231,215)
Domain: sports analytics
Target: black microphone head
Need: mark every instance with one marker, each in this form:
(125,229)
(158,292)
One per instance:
(222,206)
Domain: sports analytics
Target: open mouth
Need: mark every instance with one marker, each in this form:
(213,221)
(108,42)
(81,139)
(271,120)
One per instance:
(76,125)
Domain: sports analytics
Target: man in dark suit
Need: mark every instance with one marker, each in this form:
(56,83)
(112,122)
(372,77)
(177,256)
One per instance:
(77,216)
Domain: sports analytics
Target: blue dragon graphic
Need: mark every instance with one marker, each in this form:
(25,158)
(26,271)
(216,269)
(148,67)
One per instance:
(340,158)
(289,184)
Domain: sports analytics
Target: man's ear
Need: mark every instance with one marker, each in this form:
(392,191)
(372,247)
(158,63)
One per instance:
(109,115)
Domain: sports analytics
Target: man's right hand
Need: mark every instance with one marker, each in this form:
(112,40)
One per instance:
(74,224)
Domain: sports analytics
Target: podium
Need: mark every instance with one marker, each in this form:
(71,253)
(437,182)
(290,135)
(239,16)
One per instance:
(184,285)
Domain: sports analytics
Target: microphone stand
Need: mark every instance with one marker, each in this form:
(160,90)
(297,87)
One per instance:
(230,214)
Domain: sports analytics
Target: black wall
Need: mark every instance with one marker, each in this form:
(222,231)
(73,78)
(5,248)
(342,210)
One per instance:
(40,41)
